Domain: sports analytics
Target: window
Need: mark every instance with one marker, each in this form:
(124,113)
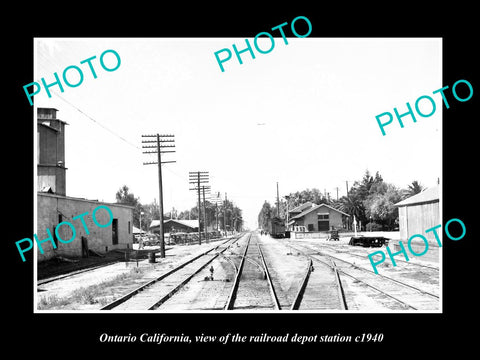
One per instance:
(310,227)
(323,216)
(129,227)
(115,231)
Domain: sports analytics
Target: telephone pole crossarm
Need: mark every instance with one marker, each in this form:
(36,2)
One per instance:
(159,140)
(196,178)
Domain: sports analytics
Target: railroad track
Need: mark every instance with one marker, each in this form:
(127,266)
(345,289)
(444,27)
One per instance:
(321,289)
(153,294)
(394,293)
(73,273)
(252,287)
(364,257)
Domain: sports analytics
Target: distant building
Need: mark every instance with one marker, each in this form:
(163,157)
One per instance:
(173,225)
(417,214)
(54,207)
(320,218)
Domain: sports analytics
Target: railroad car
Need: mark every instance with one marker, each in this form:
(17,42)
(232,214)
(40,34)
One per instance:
(276,228)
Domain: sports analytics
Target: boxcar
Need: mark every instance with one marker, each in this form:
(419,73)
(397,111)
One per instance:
(277,228)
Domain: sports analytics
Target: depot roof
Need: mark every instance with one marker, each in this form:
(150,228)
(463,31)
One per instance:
(316,207)
(427,196)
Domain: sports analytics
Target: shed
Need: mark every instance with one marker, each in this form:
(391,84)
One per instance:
(416,214)
(174,225)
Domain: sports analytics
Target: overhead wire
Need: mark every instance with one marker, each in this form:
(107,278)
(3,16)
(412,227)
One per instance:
(110,131)
(95,121)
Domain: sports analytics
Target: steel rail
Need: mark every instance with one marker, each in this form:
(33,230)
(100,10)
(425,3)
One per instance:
(124,298)
(341,293)
(75,272)
(233,291)
(379,290)
(397,260)
(385,277)
(360,280)
(370,271)
(298,298)
(187,279)
(269,280)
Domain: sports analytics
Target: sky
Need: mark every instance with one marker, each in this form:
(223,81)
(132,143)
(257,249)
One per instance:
(302,115)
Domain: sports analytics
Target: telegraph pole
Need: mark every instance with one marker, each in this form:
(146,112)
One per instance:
(205,212)
(278,202)
(216,200)
(225,215)
(159,140)
(196,178)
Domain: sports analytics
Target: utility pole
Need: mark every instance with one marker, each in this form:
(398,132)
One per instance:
(278,202)
(216,216)
(159,140)
(225,215)
(287,198)
(196,178)
(205,212)
(216,200)
(337,193)
(346,182)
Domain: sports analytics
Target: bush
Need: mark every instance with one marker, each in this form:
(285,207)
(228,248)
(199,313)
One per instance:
(373,226)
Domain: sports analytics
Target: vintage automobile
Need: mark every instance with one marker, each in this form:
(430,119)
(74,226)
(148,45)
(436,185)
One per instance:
(333,235)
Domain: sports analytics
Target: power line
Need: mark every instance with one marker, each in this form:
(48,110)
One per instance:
(96,121)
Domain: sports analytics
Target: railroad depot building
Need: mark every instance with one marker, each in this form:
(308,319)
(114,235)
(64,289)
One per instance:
(54,206)
(317,218)
(416,214)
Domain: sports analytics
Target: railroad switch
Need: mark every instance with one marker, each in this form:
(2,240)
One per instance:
(211,272)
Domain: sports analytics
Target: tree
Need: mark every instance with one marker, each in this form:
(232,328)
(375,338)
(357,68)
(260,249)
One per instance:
(265,215)
(380,206)
(370,200)
(359,194)
(353,206)
(233,218)
(150,213)
(124,196)
(414,188)
(230,215)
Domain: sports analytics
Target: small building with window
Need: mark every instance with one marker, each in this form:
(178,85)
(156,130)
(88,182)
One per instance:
(319,218)
(54,209)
